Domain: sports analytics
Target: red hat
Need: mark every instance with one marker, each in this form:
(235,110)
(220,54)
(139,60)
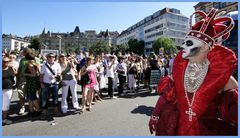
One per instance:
(213,28)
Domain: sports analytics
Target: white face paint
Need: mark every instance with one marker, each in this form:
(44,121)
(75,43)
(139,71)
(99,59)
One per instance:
(191,47)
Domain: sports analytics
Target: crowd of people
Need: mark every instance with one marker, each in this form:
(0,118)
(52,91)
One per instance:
(37,77)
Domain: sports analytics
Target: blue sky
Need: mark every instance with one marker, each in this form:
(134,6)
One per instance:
(30,17)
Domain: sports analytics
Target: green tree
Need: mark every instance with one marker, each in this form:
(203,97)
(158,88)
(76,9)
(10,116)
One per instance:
(136,46)
(99,47)
(35,44)
(76,50)
(166,43)
(121,48)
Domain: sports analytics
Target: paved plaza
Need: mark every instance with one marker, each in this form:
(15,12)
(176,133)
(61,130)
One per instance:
(124,116)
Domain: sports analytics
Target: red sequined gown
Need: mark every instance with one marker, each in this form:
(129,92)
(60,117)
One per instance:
(216,114)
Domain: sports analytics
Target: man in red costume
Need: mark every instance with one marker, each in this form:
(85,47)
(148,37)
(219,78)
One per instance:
(201,96)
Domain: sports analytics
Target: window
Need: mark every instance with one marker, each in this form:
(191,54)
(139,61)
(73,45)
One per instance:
(172,16)
(216,5)
(222,4)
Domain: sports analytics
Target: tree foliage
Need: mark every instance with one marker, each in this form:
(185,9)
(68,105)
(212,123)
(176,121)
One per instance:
(136,46)
(120,48)
(166,43)
(99,47)
(35,44)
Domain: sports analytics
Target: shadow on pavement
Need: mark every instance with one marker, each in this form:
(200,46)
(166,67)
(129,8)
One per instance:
(142,109)
(17,118)
(139,93)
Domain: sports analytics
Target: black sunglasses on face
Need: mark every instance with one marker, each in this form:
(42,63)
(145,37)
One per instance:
(51,56)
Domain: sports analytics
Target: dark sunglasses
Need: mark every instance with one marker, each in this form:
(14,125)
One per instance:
(51,56)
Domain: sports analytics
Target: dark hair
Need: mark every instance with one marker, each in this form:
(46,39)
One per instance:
(48,55)
(30,56)
(13,53)
(27,50)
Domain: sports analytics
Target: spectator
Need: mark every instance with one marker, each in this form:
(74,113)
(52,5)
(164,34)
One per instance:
(50,74)
(110,75)
(88,88)
(32,74)
(132,75)
(115,80)
(97,87)
(122,73)
(7,88)
(21,78)
(68,80)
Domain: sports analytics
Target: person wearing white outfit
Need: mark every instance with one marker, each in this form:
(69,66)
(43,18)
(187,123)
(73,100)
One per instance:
(132,72)
(110,75)
(68,80)
(115,80)
(97,74)
(102,82)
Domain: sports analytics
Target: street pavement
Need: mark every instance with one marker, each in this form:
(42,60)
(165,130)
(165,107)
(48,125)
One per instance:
(124,116)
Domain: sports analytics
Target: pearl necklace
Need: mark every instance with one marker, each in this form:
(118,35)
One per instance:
(195,73)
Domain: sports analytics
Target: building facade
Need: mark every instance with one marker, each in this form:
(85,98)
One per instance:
(166,22)
(75,39)
(13,43)
(221,6)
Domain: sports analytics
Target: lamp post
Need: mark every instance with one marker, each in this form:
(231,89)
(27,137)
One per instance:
(60,45)
(164,29)
(77,37)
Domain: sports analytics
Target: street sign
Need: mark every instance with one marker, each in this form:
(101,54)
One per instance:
(154,77)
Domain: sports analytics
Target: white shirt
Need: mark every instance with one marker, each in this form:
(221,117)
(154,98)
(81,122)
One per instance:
(79,57)
(48,77)
(110,72)
(14,64)
(123,66)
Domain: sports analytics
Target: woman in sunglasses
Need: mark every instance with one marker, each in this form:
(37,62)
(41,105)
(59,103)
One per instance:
(7,88)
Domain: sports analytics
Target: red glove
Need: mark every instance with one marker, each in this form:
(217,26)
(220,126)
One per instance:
(153,123)
(155,115)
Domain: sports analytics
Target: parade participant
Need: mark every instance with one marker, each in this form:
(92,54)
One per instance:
(201,97)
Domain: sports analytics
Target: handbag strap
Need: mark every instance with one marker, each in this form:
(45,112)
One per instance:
(50,69)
